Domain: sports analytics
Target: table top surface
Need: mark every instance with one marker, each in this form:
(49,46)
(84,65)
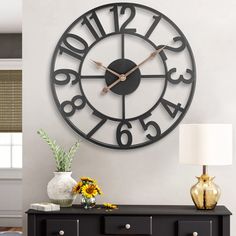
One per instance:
(137,210)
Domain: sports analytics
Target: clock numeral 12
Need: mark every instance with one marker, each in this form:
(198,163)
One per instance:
(150,124)
(175,108)
(123,28)
(70,49)
(120,133)
(91,28)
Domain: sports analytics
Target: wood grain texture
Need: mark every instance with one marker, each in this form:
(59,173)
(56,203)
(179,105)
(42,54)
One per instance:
(2,229)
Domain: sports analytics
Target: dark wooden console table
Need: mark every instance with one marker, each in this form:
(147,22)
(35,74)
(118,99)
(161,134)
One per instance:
(130,220)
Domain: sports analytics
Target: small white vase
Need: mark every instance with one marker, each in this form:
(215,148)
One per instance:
(59,189)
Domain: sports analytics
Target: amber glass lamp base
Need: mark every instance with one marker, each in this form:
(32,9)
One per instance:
(205,193)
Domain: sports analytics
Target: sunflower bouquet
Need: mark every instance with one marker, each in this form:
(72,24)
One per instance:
(89,189)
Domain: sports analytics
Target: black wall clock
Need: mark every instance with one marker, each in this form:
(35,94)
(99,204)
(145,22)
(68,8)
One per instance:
(123,75)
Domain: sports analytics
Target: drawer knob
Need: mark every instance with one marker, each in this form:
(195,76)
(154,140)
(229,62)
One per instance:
(61,232)
(127,226)
(195,233)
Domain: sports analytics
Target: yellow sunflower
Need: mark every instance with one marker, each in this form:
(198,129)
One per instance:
(77,188)
(89,190)
(88,179)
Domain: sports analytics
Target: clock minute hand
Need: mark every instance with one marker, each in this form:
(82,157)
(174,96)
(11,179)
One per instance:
(99,64)
(151,56)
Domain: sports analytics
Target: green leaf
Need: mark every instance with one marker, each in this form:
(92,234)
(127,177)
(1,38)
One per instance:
(63,159)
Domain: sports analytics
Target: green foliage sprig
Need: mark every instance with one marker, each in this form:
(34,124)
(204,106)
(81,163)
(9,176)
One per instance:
(63,159)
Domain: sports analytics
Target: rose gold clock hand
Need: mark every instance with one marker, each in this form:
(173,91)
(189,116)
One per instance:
(151,56)
(99,64)
(122,77)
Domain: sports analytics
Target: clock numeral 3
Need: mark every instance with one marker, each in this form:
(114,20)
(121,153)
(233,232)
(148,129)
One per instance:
(67,76)
(173,49)
(149,124)
(91,28)
(171,108)
(123,28)
(73,105)
(120,133)
(70,49)
(180,78)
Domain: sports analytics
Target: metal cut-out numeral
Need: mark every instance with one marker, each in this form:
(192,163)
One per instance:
(73,106)
(120,132)
(67,73)
(124,9)
(149,124)
(181,78)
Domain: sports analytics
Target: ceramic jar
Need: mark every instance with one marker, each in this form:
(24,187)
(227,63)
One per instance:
(59,189)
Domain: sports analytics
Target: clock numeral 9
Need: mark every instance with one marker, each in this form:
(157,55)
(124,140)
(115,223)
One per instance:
(126,132)
(77,50)
(181,78)
(149,124)
(173,49)
(123,28)
(67,76)
(73,105)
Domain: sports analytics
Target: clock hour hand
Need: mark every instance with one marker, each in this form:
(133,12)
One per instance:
(100,65)
(151,56)
(122,77)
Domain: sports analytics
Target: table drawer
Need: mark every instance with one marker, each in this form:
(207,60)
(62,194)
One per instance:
(64,227)
(187,228)
(135,225)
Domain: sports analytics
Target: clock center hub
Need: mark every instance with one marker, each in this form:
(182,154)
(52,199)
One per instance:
(128,84)
(122,77)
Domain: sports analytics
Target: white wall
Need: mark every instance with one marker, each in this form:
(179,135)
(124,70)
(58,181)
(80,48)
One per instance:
(11,201)
(150,175)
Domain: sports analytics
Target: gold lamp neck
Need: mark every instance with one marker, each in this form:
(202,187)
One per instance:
(204,170)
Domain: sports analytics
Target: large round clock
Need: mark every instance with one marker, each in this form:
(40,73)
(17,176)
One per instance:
(123,75)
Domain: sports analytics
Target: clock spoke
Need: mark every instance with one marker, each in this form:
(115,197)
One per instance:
(153,76)
(123,107)
(92,76)
(122,46)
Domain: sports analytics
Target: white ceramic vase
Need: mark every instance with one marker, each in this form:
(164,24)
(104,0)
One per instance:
(59,189)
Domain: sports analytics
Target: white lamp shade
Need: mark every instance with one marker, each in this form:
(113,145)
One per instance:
(205,144)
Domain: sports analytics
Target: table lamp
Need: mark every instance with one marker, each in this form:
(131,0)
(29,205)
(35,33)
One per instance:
(205,145)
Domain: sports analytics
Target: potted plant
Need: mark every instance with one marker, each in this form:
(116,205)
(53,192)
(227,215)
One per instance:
(59,187)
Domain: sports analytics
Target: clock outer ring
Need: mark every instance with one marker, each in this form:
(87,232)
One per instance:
(173,126)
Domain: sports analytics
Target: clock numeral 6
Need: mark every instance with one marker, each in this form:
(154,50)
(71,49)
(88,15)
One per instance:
(69,107)
(148,125)
(66,73)
(120,133)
